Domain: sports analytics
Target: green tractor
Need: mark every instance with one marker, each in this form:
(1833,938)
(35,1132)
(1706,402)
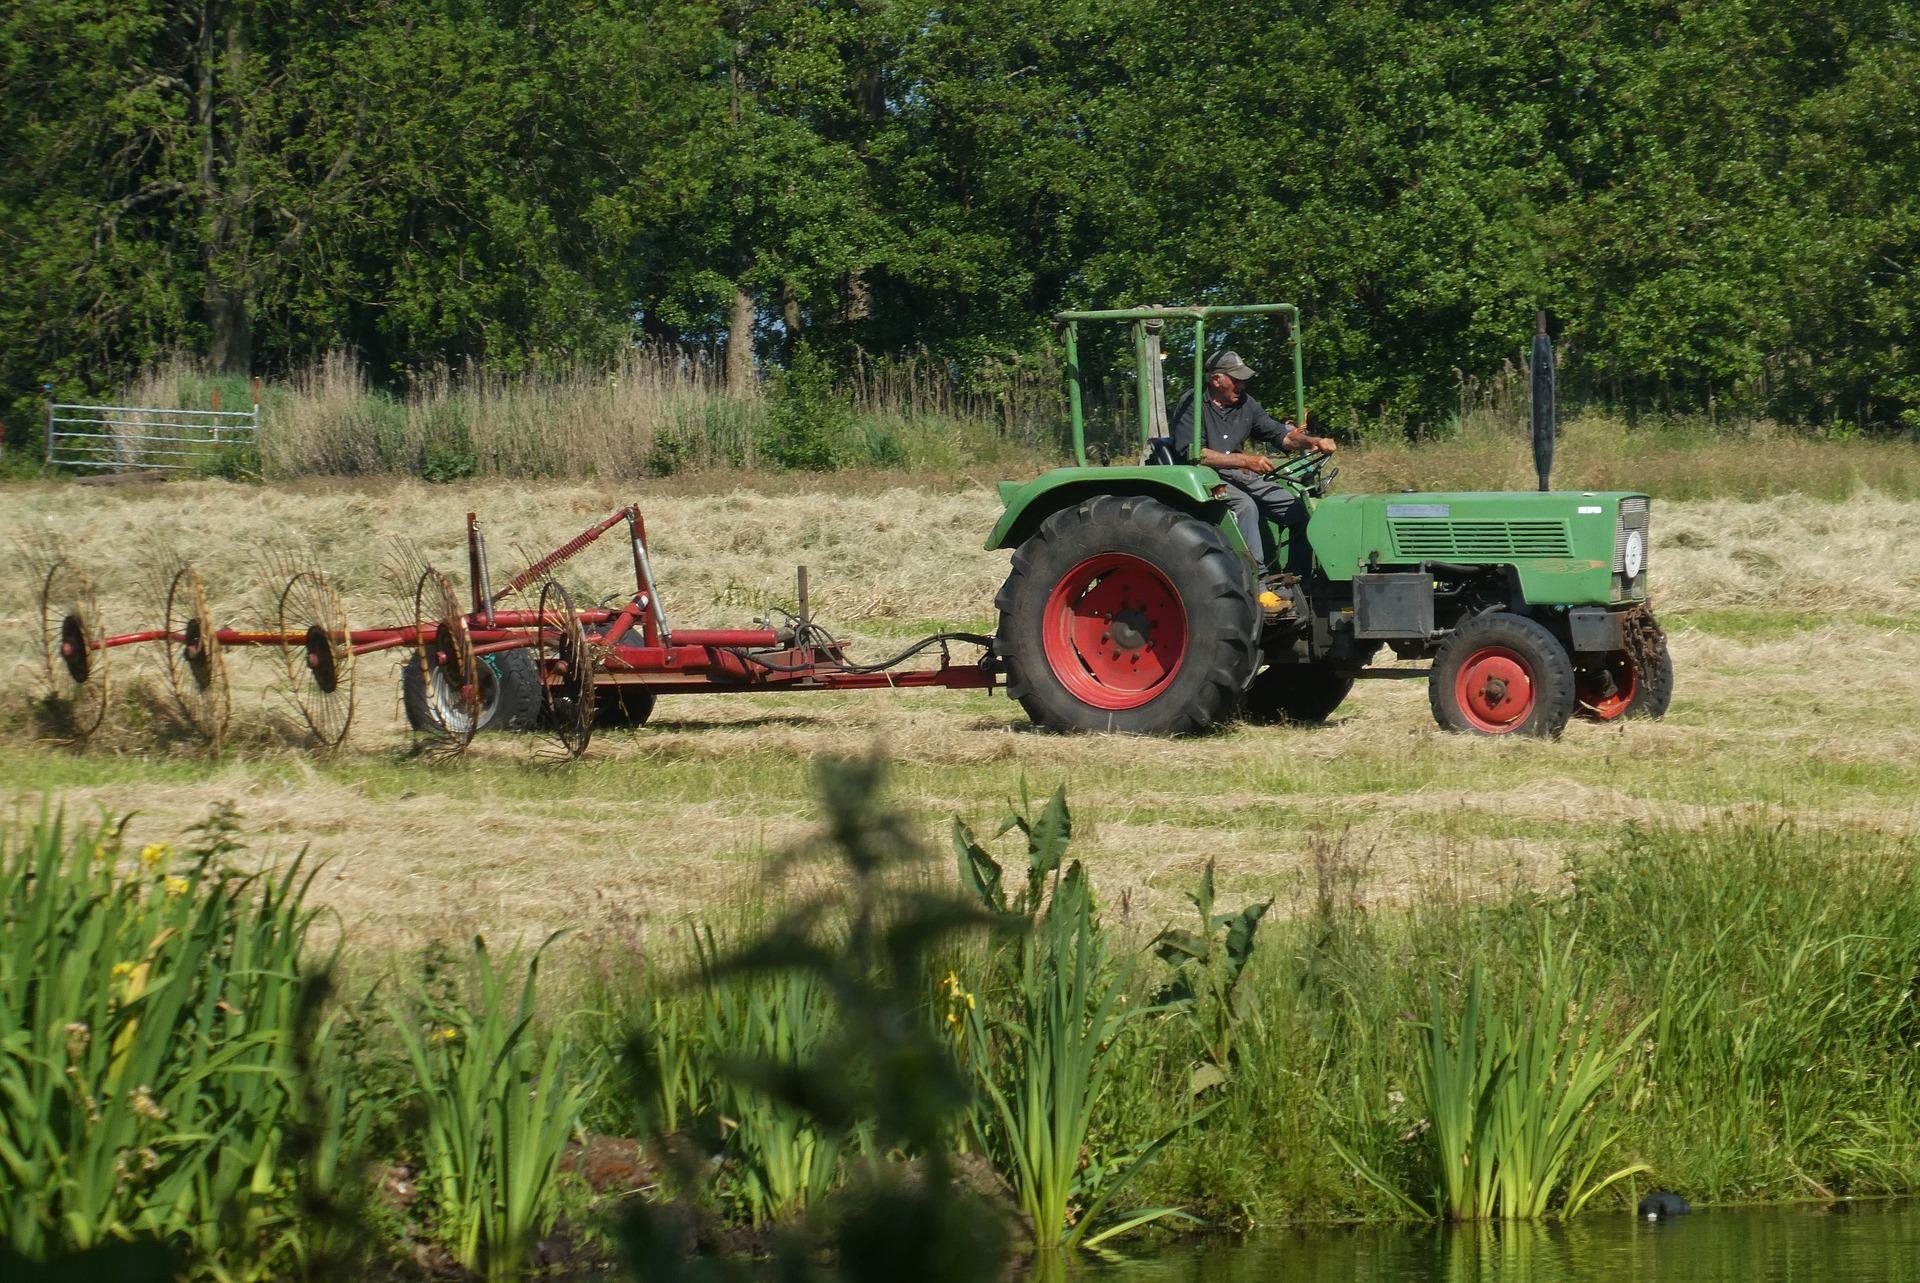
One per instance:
(1133,604)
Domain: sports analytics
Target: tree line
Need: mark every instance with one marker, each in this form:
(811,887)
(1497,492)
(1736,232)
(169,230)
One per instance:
(1719,201)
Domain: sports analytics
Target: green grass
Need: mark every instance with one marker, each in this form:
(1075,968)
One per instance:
(1749,625)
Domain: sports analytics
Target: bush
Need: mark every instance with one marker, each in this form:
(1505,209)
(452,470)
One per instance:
(808,424)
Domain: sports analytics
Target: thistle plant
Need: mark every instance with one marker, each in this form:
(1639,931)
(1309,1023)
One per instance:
(1207,967)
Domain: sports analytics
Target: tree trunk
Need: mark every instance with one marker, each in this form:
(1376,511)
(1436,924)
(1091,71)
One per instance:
(740,381)
(224,198)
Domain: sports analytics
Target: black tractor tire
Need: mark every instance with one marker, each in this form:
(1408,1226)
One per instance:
(615,707)
(1502,674)
(509,694)
(1651,692)
(1305,694)
(1124,614)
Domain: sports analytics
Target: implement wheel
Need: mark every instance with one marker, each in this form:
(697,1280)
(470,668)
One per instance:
(1502,674)
(70,635)
(317,655)
(442,689)
(566,671)
(509,694)
(622,707)
(1124,614)
(196,666)
(1300,693)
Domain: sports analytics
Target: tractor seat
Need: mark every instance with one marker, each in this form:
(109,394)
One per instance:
(1159,452)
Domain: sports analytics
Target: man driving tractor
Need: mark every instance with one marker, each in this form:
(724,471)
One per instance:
(1233,418)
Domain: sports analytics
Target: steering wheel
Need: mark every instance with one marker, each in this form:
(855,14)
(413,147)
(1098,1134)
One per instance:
(1308,470)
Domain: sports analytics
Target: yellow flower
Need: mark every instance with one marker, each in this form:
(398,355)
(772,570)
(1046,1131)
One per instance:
(153,853)
(445,1035)
(121,970)
(176,886)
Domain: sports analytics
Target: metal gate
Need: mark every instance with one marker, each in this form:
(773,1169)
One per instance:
(128,438)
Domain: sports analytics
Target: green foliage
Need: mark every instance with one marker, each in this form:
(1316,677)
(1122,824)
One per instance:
(498,1110)
(1042,1042)
(1784,996)
(146,1015)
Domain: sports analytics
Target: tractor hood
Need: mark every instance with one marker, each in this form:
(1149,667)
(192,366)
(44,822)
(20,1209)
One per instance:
(1565,547)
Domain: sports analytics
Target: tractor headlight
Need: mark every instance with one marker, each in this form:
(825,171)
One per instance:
(1635,553)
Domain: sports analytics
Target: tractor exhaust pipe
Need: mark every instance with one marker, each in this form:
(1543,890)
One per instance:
(1543,411)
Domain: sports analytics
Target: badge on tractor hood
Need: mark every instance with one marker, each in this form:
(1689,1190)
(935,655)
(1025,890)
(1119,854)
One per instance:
(1419,510)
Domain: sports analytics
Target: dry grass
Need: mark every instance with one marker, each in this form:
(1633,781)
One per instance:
(1794,624)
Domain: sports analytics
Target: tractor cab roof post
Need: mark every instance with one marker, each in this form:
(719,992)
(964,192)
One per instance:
(1199,316)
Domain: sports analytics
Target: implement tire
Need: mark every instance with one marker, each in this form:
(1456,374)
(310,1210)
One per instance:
(509,695)
(1305,694)
(616,707)
(1502,674)
(1123,614)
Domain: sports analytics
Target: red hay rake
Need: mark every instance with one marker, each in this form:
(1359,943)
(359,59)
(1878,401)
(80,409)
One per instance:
(472,664)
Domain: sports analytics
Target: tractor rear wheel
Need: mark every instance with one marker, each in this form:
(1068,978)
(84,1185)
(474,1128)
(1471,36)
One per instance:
(1302,693)
(1502,674)
(1124,614)
(509,695)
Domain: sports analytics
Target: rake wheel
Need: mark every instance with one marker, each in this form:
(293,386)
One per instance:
(566,671)
(196,665)
(449,673)
(318,655)
(70,635)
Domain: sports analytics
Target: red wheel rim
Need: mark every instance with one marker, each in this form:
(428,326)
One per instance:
(1494,690)
(1592,696)
(1114,630)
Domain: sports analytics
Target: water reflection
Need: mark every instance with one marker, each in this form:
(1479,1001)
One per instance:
(1788,1245)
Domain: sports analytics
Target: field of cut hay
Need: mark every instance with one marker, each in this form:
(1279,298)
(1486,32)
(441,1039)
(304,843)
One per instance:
(1795,626)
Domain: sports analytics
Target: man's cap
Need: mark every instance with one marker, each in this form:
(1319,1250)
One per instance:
(1230,364)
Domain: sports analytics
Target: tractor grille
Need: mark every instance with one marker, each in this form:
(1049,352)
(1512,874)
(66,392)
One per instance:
(1633,516)
(1479,540)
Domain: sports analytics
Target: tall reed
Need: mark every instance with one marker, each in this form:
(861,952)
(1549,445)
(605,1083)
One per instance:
(498,1110)
(761,1026)
(146,1009)
(1510,1089)
(1042,1042)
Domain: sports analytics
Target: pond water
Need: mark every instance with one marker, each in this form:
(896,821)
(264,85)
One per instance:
(1847,1241)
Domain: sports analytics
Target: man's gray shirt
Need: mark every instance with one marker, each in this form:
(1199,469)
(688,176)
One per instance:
(1228,427)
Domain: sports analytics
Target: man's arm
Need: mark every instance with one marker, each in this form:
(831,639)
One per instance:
(1288,436)
(1297,438)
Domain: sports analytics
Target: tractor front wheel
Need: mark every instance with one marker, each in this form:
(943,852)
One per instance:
(1623,687)
(1502,674)
(1124,614)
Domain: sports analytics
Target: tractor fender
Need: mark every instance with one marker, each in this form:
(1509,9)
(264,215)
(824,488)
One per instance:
(1190,489)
